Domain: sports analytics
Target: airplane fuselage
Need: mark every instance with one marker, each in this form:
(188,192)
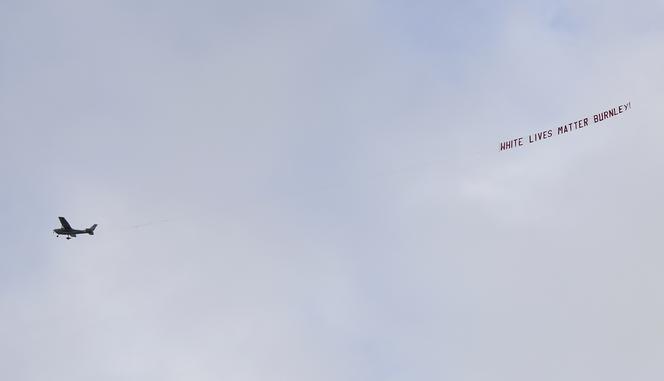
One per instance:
(71,233)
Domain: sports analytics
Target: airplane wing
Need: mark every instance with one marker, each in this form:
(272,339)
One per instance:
(64,223)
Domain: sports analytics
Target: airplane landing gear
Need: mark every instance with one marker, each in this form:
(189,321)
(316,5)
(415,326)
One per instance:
(68,237)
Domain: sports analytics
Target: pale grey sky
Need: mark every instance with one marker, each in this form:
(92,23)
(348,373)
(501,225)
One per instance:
(323,191)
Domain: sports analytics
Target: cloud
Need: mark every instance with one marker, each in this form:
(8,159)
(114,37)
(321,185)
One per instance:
(314,191)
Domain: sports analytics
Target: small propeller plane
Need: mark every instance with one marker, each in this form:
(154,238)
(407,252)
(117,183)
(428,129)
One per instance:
(70,232)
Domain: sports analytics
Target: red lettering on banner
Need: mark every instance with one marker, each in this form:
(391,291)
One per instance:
(565,128)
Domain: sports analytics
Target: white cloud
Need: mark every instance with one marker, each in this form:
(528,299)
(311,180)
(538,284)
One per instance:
(321,195)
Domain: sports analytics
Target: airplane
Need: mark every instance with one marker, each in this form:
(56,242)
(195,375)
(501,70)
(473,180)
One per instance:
(70,232)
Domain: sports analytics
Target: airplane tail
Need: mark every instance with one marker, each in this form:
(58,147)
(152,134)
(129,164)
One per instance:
(91,229)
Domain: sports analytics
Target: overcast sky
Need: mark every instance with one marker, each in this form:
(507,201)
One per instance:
(304,190)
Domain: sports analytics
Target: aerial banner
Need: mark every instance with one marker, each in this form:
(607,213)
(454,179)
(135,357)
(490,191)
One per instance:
(565,128)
